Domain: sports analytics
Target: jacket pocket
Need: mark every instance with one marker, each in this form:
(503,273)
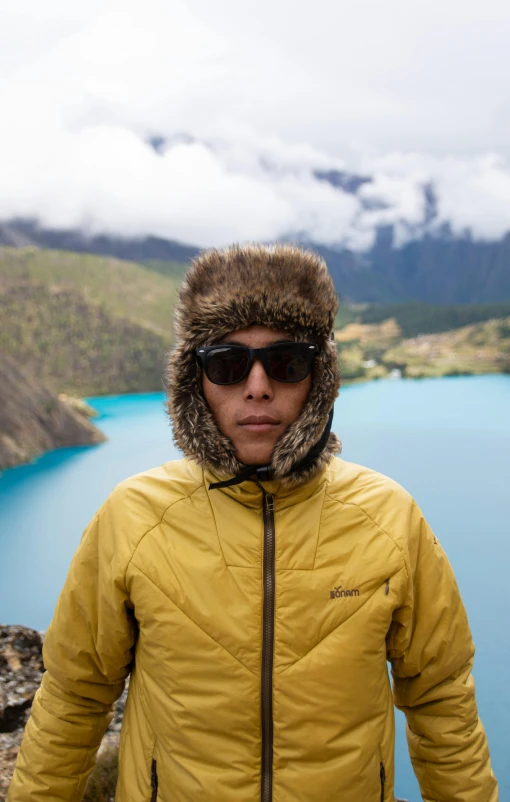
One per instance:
(154,780)
(382,775)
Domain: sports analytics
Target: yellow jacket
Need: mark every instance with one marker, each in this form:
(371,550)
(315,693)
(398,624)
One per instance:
(258,675)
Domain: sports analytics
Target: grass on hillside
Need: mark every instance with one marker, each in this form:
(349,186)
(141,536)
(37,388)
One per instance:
(90,325)
(370,351)
(359,343)
(78,347)
(348,313)
(172,270)
(416,317)
(479,348)
(124,289)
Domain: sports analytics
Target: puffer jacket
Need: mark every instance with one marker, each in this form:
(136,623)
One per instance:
(257,621)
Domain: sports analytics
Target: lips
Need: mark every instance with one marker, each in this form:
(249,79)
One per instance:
(259,419)
(259,423)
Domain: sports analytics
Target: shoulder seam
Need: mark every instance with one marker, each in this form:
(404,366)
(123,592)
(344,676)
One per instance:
(388,534)
(158,523)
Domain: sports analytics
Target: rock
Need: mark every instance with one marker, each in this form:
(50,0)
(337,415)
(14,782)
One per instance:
(21,669)
(34,420)
(116,721)
(8,756)
(78,405)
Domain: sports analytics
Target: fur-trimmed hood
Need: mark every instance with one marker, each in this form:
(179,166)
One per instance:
(283,287)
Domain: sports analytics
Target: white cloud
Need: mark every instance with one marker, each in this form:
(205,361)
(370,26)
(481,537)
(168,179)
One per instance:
(473,194)
(408,94)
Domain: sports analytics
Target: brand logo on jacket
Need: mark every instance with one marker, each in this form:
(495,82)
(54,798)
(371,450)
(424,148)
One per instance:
(339,592)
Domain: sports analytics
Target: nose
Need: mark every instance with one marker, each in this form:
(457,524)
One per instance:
(258,385)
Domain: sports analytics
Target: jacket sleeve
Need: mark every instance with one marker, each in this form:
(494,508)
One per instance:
(87,653)
(431,651)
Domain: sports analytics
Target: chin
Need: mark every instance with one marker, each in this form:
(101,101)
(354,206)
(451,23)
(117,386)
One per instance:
(255,457)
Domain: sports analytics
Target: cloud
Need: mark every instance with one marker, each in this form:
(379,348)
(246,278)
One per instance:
(472,194)
(106,178)
(394,92)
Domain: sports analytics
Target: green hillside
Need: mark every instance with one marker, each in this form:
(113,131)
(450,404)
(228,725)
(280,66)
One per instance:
(85,325)
(373,350)
(77,347)
(416,317)
(172,270)
(125,289)
(90,325)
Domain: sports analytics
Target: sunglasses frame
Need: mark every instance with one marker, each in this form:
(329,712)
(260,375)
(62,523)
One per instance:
(257,353)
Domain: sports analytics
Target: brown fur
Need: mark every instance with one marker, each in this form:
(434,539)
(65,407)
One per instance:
(283,287)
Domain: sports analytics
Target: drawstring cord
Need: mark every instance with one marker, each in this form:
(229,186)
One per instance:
(264,473)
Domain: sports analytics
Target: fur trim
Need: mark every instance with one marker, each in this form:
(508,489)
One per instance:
(283,287)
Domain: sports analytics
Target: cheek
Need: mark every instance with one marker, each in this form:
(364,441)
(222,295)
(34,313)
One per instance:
(218,399)
(296,395)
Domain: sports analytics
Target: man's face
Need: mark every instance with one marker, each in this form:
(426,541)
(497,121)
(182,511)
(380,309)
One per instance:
(255,412)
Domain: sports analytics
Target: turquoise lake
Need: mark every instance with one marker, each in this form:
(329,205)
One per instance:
(446,440)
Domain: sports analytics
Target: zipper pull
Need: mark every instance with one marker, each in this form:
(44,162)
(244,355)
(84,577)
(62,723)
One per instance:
(387,587)
(269,502)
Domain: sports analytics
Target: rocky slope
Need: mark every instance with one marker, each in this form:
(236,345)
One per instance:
(20,675)
(21,670)
(34,420)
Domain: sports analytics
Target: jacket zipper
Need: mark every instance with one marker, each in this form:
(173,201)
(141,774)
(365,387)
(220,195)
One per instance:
(154,780)
(266,788)
(382,774)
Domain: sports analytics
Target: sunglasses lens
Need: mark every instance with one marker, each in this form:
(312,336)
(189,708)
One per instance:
(226,365)
(285,362)
(288,363)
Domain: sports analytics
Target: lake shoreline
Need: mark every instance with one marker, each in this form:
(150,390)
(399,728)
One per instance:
(35,421)
(88,402)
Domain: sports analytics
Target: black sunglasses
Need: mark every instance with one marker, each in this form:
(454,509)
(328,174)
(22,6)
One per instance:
(230,364)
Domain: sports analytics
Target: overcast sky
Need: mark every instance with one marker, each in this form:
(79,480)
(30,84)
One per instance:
(252,98)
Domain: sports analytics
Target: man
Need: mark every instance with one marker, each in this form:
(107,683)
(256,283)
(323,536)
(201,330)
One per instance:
(256,589)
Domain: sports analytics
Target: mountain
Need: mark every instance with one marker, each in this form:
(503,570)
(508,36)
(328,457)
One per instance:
(438,269)
(33,419)
(125,289)
(89,325)
(84,324)
(433,269)
(22,233)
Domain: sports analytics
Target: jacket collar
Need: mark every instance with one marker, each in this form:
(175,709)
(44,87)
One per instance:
(250,494)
